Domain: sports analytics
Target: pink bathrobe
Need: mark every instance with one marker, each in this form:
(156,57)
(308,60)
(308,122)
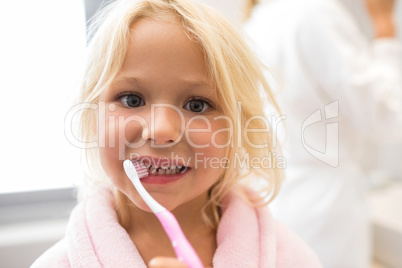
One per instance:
(246,237)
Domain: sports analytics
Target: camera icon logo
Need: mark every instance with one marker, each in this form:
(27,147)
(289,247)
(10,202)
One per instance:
(330,155)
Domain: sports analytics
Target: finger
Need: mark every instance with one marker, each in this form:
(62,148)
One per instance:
(165,262)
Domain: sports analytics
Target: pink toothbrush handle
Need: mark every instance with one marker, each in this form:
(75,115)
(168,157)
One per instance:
(184,250)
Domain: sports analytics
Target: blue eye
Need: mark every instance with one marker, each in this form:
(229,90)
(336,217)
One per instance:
(132,101)
(197,105)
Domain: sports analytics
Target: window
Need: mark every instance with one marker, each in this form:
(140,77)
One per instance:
(42,53)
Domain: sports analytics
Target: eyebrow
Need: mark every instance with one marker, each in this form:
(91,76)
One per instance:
(189,84)
(127,79)
(194,83)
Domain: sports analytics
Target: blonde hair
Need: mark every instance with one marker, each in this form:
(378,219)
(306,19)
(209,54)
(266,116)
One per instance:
(236,71)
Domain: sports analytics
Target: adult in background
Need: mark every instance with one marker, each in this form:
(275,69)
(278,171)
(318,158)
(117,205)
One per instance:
(339,87)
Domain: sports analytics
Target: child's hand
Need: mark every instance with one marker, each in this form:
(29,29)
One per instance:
(380,8)
(165,262)
(381,12)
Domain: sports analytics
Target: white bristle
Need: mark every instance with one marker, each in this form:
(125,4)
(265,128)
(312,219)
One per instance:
(141,170)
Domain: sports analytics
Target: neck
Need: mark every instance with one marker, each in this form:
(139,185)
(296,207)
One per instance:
(189,216)
(145,229)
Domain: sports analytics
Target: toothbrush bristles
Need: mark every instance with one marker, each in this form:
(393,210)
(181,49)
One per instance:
(142,171)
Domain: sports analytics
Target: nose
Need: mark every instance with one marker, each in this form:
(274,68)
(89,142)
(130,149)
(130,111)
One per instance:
(166,126)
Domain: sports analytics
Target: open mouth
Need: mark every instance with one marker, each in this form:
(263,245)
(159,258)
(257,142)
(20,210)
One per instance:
(170,170)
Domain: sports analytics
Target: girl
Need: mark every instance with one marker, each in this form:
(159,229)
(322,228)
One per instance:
(176,88)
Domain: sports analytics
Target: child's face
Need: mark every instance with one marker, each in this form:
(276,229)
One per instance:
(163,67)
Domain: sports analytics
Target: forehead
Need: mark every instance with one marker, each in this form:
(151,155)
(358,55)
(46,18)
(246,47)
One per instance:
(166,40)
(160,51)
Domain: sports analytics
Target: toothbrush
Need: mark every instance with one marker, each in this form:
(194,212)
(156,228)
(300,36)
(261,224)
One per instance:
(183,249)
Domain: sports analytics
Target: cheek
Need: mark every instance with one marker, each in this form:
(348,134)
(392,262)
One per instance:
(209,134)
(116,134)
(211,158)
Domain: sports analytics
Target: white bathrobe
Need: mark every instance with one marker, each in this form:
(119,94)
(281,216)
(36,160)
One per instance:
(336,88)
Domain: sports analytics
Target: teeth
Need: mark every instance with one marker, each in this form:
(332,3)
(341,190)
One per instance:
(174,169)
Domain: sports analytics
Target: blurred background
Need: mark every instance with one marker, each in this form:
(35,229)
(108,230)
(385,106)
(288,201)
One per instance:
(41,56)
